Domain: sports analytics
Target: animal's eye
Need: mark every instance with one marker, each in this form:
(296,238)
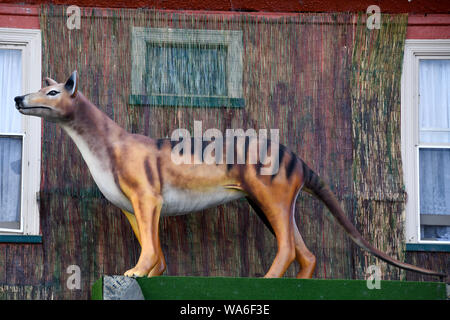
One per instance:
(52,93)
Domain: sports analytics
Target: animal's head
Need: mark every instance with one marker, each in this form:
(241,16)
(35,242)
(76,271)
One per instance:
(55,102)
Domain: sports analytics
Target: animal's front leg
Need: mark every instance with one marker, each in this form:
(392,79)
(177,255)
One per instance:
(160,266)
(147,210)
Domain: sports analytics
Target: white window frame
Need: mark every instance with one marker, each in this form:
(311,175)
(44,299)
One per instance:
(414,51)
(29,42)
(232,39)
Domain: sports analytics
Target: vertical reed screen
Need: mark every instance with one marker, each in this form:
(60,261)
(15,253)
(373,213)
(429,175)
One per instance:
(330,85)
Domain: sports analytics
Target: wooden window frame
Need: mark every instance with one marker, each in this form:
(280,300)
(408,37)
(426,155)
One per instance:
(231,39)
(414,51)
(29,41)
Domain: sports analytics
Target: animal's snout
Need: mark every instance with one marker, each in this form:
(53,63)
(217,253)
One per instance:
(19,101)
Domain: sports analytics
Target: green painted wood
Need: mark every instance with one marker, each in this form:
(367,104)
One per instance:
(189,101)
(97,290)
(20,239)
(428,247)
(229,288)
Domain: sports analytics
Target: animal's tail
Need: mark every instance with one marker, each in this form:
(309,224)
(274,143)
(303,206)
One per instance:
(314,185)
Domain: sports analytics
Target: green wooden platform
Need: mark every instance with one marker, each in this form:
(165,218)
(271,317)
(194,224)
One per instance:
(220,288)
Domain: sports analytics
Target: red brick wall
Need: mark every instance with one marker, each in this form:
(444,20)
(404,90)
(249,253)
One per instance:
(395,6)
(420,26)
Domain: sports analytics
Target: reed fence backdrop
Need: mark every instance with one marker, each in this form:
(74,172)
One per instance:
(326,81)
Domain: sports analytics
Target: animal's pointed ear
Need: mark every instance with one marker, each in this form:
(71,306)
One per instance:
(50,81)
(71,84)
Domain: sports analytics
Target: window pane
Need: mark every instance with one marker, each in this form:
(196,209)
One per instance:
(434,102)
(10,181)
(434,177)
(439,233)
(10,87)
(10,146)
(186,69)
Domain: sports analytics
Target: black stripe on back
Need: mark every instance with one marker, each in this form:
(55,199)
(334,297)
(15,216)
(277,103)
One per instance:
(158,168)
(291,166)
(306,173)
(204,145)
(311,180)
(258,167)
(159,143)
(173,143)
(148,170)
(246,146)
(281,152)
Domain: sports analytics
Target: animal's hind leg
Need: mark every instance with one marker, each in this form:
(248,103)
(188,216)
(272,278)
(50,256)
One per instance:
(303,256)
(260,214)
(278,216)
(280,221)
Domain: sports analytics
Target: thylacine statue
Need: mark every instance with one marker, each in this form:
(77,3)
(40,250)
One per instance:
(136,174)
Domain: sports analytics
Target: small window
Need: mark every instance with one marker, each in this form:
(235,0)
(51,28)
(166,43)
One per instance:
(185,67)
(426,140)
(20,136)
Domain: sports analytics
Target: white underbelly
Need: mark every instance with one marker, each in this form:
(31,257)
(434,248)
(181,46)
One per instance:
(178,201)
(175,201)
(108,187)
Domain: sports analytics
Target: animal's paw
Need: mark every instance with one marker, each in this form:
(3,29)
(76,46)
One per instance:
(158,269)
(145,266)
(136,272)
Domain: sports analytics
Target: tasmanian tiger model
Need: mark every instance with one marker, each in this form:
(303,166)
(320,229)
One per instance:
(136,174)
